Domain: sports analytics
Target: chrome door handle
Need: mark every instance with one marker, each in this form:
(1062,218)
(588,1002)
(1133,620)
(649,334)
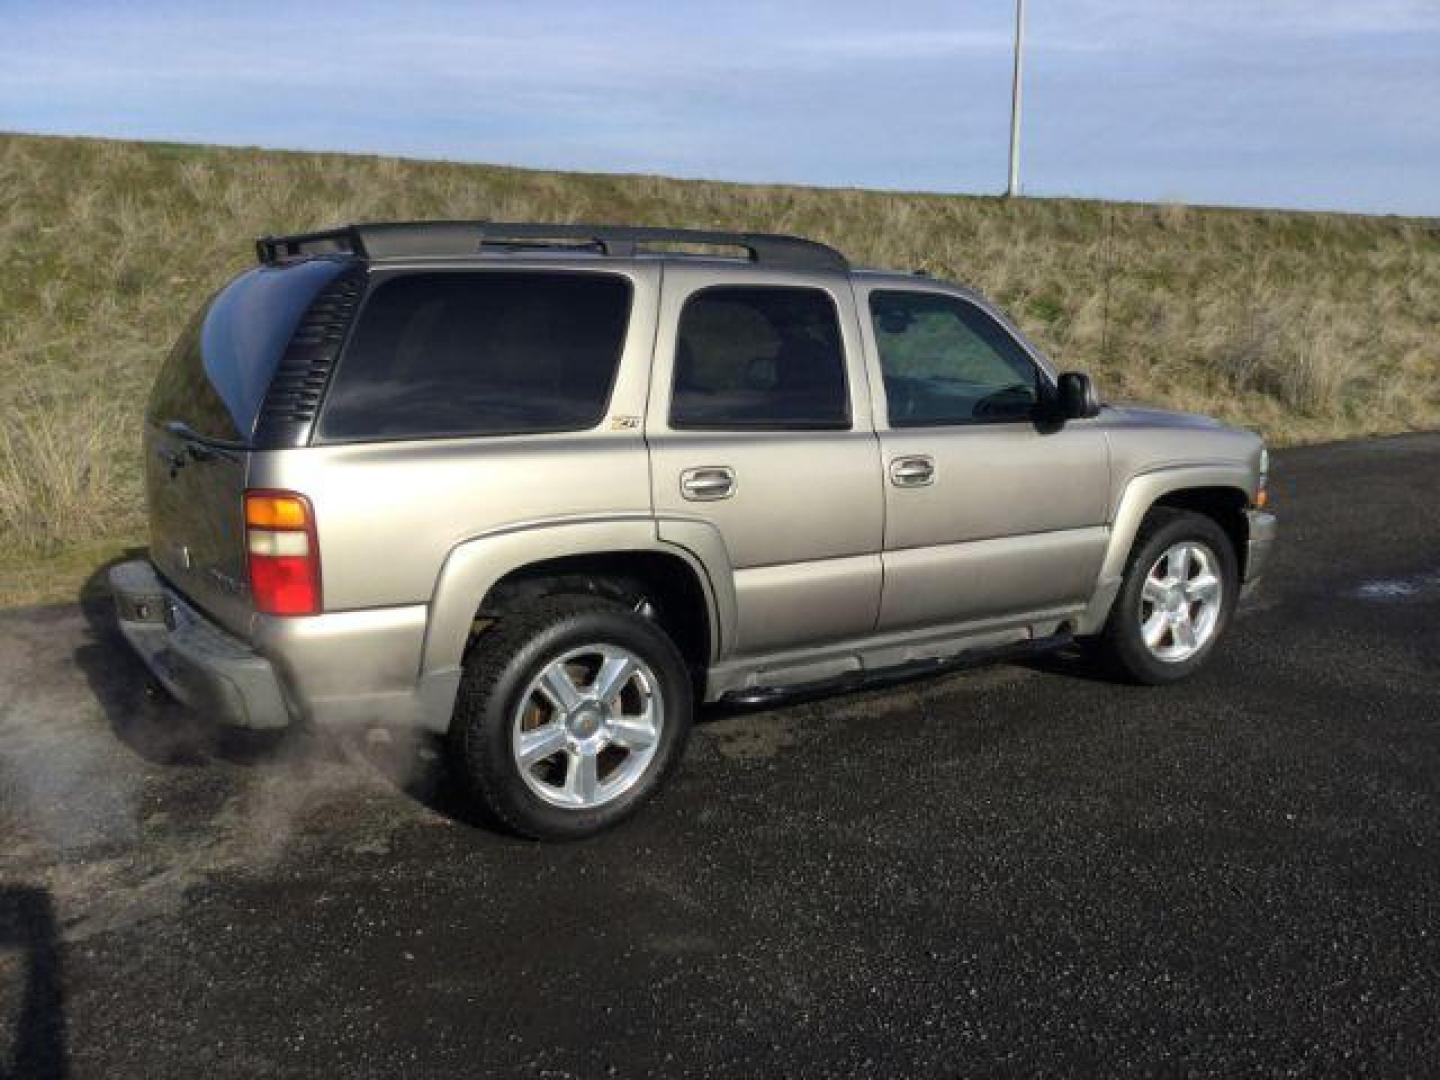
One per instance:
(917,470)
(707,483)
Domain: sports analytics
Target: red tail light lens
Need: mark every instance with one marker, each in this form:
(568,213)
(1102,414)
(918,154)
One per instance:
(284,555)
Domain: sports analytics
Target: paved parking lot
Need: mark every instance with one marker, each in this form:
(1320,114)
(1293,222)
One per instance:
(1017,869)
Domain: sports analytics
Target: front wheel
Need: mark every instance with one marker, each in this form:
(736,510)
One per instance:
(1180,587)
(571,713)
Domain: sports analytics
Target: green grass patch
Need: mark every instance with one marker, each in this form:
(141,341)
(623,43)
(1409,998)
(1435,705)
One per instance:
(1303,326)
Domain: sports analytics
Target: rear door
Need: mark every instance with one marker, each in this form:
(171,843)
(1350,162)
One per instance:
(759,427)
(991,512)
(200,425)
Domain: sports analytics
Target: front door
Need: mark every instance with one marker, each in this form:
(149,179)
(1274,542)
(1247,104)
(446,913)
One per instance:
(759,428)
(990,513)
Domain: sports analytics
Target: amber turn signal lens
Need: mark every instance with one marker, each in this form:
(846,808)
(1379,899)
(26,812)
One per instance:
(1262,499)
(283,553)
(263,511)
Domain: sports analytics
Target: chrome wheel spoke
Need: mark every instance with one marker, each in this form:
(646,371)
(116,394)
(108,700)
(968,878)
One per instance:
(559,688)
(582,777)
(1177,563)
(1184,631)
(540,743)
(1153,591)
(616,671)
(633,732)
(1205,588)
(1153,629)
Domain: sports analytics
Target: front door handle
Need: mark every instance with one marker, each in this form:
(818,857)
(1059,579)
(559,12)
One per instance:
(708,483)
(914,470)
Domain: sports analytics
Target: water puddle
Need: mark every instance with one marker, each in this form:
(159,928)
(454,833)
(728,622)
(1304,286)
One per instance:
(1391,590)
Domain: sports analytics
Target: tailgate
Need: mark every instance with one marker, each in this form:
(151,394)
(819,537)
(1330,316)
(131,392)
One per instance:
(197,528)
(202,420)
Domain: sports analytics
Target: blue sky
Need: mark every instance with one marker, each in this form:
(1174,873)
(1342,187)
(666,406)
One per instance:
(1301,103)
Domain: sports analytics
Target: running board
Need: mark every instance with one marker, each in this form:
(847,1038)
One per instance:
(757,696)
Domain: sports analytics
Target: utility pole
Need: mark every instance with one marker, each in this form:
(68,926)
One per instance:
(1013,189)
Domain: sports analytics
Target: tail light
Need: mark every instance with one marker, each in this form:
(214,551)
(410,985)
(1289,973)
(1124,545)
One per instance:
(284,555)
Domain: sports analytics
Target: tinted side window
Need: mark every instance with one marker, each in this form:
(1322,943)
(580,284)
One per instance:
(479,353)
(216,375)
(947,362)
(758,357)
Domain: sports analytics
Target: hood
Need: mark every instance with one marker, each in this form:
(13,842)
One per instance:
(1146,416)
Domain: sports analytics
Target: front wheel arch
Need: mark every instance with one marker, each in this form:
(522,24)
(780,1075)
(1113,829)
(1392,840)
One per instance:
(1220,491)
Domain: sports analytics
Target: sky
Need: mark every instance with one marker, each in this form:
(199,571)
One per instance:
(1316,104)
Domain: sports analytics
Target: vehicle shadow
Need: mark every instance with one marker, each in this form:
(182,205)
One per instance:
(28,926)
(1070,662)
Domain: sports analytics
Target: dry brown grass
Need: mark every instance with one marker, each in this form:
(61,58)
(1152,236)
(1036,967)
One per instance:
(1305,326)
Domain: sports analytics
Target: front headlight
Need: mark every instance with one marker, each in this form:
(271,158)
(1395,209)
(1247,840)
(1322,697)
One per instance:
(1262,494)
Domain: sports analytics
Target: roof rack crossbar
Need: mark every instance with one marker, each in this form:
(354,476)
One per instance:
(388,240)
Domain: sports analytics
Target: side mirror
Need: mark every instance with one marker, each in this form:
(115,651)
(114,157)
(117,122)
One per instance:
(1076,398)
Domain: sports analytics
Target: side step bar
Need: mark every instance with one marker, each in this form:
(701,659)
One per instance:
(765,696)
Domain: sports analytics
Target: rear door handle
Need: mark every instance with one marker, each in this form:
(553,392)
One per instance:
(707,483)
(914,470)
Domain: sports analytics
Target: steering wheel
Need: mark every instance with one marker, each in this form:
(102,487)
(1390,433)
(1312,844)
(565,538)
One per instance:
(1006,402)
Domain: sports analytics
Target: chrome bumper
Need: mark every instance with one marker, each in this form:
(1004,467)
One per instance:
(1257,550)
(199,663)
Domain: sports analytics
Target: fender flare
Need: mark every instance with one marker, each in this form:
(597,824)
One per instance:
(1142,492)
(474,566)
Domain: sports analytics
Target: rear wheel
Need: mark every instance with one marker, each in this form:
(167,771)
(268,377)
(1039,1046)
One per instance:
(571,713)
(1180,586)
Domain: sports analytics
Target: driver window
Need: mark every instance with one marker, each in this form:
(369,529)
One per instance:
(947,362)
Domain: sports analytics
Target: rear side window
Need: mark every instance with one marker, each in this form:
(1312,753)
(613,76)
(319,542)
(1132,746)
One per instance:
(480,353)
(759,357)
(216,375)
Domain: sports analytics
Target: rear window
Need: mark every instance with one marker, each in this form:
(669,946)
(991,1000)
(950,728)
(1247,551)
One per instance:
(479,353)
(216,375)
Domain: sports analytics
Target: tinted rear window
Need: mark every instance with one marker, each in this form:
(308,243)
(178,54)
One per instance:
(216,375)
(479,353)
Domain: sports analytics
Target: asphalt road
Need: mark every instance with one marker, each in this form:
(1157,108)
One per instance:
(1015,870)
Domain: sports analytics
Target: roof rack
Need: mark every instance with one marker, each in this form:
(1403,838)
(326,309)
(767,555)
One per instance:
(392,240)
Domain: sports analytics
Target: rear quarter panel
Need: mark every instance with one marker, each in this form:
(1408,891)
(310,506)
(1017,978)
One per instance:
(388,514)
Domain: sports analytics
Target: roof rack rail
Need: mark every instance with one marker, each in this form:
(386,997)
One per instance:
(391,240)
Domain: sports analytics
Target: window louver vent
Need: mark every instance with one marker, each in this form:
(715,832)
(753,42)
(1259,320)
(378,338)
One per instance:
(299,382)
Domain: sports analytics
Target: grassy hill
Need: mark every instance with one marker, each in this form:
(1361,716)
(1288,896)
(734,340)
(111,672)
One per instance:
(1304,326)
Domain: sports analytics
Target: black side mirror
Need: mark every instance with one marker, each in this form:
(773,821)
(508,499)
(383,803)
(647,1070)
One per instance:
(1075,397)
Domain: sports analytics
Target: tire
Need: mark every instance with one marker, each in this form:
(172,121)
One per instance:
(510,695)
(1122,648)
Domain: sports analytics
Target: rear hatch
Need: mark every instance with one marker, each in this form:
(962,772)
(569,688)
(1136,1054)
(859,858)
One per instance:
(212,396)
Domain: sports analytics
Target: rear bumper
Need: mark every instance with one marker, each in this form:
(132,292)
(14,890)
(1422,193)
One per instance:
(199,663)
(1257,550)
(341,668)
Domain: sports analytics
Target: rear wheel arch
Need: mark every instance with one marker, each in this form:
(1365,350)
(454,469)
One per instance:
(663,586)
(474,567)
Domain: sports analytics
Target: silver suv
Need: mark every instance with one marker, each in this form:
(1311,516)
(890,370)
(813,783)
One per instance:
(542,488)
